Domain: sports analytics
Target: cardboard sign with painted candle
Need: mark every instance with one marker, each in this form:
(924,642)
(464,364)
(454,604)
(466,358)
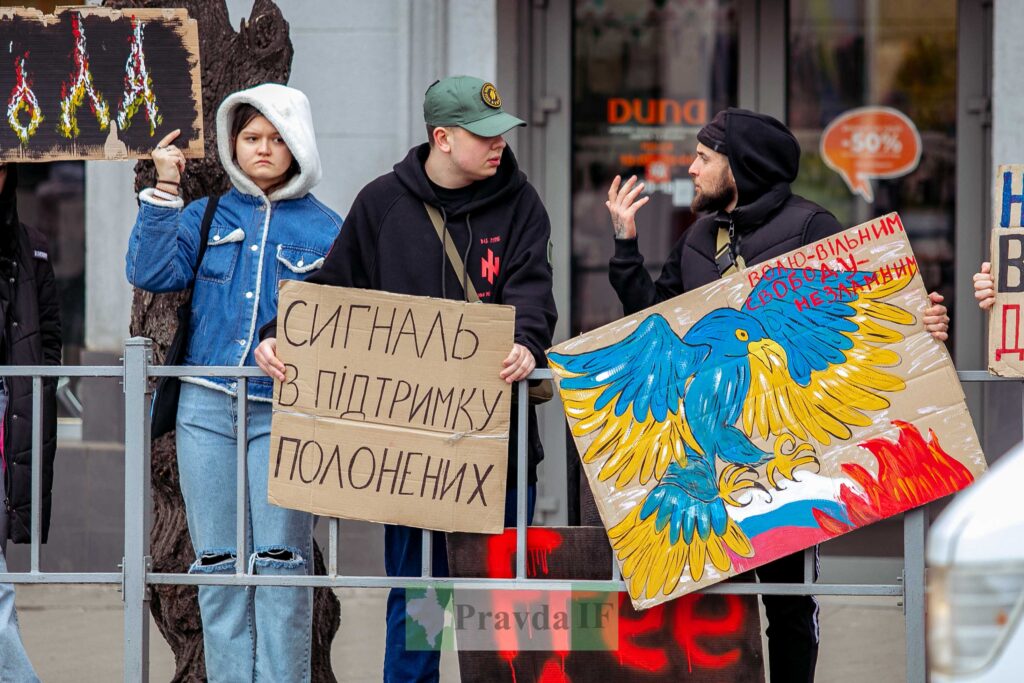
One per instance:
(1006,324)
(768,411)
(98,83)
(392,409)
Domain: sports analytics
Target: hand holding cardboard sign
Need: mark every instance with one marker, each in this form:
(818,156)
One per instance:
(985,287)
(622,205)
(266,358)
(935,319)
(519,364)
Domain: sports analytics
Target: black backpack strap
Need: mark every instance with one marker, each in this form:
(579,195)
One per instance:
(204,228)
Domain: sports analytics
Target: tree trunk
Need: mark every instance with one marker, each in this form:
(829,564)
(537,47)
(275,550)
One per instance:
(260,52)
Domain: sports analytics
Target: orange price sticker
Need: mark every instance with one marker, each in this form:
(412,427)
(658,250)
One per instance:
(871,142)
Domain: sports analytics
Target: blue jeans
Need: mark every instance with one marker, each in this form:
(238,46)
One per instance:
(14,663)
(250,634)
(403,553)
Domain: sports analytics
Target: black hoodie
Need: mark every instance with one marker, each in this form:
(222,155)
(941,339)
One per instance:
(768,221)
(388,243)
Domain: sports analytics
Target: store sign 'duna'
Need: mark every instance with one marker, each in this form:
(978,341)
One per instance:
(657,111)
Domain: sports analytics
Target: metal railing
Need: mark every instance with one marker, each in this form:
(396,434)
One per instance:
(136,576)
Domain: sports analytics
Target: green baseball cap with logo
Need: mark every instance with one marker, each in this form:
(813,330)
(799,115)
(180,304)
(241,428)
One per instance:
(469,103)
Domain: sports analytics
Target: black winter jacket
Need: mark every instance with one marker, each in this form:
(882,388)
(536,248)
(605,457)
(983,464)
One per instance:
(388,243)
(769,221)
(31,336)
(775,224)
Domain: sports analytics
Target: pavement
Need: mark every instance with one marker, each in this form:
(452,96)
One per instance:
(75,634)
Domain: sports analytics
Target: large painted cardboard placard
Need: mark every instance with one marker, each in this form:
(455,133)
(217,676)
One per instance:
(1006,324)
(98,83)
(392,409)
(768,411)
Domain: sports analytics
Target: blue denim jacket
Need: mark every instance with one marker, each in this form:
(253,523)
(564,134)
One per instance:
(247,254)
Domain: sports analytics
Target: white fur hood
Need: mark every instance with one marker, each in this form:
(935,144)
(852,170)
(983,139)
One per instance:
(288,110)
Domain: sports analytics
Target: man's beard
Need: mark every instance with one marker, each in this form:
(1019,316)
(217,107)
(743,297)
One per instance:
(716,199)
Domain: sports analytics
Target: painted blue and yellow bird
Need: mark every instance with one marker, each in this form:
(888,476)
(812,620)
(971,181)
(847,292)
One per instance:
(800,363)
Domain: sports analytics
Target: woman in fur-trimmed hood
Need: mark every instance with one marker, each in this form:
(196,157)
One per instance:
(267,228)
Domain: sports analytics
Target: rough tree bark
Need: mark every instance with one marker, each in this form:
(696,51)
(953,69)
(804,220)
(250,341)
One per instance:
(260,52)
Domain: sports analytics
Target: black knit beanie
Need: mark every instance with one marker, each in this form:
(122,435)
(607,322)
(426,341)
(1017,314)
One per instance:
(762,151)
(713,134)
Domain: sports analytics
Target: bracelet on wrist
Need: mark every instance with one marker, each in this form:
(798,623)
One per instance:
(164,194)
(168,182)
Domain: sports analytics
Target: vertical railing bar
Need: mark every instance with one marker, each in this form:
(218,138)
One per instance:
(332,551)
(521,499)
(241,485)
(809,565)
(37,470)
(915,523)
(426,567)
(137,508)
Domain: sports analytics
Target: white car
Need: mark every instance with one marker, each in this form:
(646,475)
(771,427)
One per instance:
(976,580)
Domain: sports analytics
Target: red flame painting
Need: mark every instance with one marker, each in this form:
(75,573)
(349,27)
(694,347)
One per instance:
(911,472)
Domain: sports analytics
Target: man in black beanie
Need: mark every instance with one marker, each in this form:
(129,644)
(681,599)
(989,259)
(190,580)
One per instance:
(744,166)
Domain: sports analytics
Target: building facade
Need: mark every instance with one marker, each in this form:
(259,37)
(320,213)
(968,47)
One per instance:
(622,86)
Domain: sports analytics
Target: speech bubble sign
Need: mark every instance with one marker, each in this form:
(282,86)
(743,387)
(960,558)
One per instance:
(870,142)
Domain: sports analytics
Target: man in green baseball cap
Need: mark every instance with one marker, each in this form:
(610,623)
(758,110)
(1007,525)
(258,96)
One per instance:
(469,103)
(465,129)
(455,219)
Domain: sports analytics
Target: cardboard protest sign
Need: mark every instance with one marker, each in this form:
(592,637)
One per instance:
(98,83)
(392,409)
(768,411)
(1005,325)
(706,638)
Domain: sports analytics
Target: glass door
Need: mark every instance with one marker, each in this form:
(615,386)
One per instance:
(647,74)
(868,81)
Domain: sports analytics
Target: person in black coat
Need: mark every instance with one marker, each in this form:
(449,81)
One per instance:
(745,162)
(29,335)
(497,223)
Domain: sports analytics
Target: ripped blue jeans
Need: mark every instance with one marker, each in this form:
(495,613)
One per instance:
(250,634)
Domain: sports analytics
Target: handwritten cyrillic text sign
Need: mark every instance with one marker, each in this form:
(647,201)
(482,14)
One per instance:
(1006,326)
(392,409)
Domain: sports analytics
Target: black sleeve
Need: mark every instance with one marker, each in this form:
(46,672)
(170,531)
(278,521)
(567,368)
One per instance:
(49,311)
(822,224)
(528,285)
(632,282)
(350,261)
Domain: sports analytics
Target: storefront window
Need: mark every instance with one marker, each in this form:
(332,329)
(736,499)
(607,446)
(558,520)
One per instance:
(647,75)
(900,56)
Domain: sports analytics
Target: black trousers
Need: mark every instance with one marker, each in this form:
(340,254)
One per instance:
(792,622)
